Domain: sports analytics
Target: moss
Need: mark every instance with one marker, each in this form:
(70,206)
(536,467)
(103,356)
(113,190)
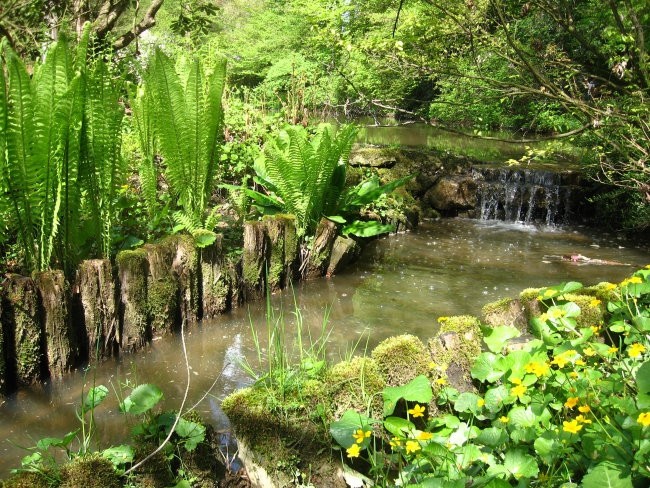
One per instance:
(156,472)
(133,266)
(592,311)
(454,349)
(401,358)
(354,385)
(162,304)
(92,471)
(498,306)
(604,291)
(28,480)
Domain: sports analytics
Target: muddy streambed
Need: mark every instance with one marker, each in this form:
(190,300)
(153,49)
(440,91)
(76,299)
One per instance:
(401,284)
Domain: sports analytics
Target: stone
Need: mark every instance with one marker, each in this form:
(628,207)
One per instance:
(505,312)
(452,194)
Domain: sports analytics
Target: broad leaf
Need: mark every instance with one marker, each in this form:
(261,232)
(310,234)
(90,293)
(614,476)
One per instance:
(642,378)
(497,338)
(119,455)
(343,429)
(95,396)
(417,390)
(142,399)
(608,475)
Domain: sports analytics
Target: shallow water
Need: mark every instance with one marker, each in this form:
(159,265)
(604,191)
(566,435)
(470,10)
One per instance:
(401,284)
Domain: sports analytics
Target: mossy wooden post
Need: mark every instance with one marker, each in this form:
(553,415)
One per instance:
(185,266)
(254,259)
(95,298)
(321,249)
(24,334)
(162,287)
(215,280)
(344,251)
(132,271)
(282,249)
(3,354)
(61,344)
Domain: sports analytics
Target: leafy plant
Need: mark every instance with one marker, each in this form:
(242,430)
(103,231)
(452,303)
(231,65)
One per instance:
(567,407)
(179,113)
(306,177)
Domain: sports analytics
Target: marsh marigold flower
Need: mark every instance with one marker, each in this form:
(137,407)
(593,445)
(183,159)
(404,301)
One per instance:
(594,302)
(595,329)
(571,402)
(395,442)
(412,446)
(573,427)
(612,350)
(424,436)
(504,420)
(537,368)
(417,411)
(589,352)
(441,381)
(635,350)
(518,390)
(480,402)
(644,419)
(584,409)
(582,419)
(360,435)
(353,451)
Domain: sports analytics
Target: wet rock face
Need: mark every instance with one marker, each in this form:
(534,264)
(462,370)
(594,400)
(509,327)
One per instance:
(452,194)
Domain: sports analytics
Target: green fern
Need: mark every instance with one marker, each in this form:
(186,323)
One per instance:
(185,112)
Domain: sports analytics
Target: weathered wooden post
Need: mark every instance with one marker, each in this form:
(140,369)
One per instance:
(321,249)
(24,334)
(162,287)
(254,259)
(185,266)
(134,317)
(215,280)
(95,299)
(60,339)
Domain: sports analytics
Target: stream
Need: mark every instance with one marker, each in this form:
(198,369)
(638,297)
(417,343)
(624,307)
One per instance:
(401,284)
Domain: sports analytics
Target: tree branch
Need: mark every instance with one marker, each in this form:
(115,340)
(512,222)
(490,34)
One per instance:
(147,22)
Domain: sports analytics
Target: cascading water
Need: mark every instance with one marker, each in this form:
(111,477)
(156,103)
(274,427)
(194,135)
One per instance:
(524,195)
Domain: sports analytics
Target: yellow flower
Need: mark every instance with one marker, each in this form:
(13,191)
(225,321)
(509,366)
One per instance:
(441,381)
(647,266)
(556,313)
(581,419)
(610,287)
(612,350)
(518,390)
(543,317)
(432,365)
(571,402)
(644,419)
(537,368)
(635,280)
(635,350)
(595,329)
(442,319)
(549,293)
(515,381)
(589,352)
(580,362)
(573,374)
(573,427)
(584,409)
(412,446)
(360,435)
(480,402)
(424,436)
(417,411)
(353,451)
(504,419)
(595,302)
(395,442)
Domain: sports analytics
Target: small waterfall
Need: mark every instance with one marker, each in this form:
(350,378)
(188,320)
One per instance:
(524,195)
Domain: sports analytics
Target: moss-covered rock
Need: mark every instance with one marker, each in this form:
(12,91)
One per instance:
(91,471)
(592,310)
(23,331)
(61,340)
(454,348)
(507,311)
(401,358)
(133,268)
(29,480)
(355,385)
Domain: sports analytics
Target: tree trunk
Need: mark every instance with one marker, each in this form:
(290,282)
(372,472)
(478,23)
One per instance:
(24,336)
(60,339)
(132,271)
(95,299)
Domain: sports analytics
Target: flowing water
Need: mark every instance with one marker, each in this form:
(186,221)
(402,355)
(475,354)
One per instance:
(401,285)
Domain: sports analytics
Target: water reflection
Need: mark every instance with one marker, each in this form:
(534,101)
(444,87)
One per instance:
(402,284)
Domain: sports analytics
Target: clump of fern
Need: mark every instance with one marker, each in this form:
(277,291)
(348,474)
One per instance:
(179,115)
